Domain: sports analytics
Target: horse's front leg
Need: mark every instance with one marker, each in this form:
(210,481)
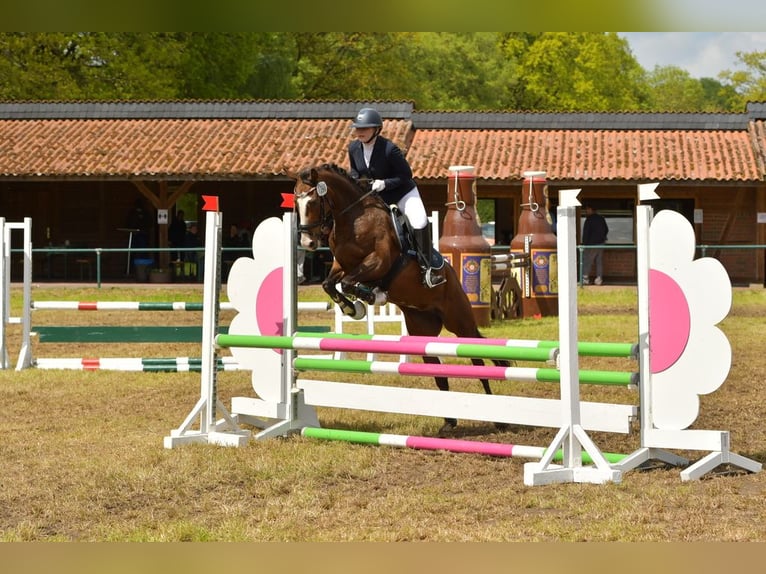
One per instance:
(355,309)
(371,296)
(356,283)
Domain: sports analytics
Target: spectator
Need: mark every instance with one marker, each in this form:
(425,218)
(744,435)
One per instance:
(177,232)
(191,239)
(139,224)
(594,234)
(244,234)
(234,240)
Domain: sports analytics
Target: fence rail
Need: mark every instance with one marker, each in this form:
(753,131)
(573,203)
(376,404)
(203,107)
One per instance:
(99,252)
(702,250)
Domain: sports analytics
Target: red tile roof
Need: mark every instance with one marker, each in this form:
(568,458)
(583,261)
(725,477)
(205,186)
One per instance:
(587,155)
(758,132)
(264,148)
(196,148)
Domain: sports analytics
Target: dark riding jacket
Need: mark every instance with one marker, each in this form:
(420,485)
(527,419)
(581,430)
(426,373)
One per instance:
(387,163)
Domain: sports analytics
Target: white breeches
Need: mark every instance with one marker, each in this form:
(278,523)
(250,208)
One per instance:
(412,206)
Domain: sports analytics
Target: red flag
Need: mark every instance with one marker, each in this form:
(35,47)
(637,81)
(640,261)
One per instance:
(211,203)
(288,201)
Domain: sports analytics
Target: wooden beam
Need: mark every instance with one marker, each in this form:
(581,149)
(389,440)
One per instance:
(163,199)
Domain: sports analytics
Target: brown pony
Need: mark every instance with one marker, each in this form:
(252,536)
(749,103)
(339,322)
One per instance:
(370,263)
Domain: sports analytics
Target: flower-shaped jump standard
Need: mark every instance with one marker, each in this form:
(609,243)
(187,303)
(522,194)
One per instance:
(255,290)
(689,355)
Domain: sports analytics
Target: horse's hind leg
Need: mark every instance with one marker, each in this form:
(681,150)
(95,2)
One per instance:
(442,383)
(485,383)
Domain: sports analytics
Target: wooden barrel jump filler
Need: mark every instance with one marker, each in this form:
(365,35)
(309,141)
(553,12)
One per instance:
(539,280)
(463,245)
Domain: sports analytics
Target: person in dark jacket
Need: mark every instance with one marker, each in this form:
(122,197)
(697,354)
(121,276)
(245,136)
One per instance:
(376,158)
(177,232)
(594,233)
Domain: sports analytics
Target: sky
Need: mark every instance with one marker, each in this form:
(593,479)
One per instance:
(702,54)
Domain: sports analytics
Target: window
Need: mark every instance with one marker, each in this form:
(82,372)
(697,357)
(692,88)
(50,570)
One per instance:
(621,228)
(619,215)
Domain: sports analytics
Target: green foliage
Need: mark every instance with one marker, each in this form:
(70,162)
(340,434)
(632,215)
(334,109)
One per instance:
(88,65)
(721,97)
(237,66)
(557,71)
(750,82)
(577,72)
(485,209)
(462,71)
(673,89)
(351,65)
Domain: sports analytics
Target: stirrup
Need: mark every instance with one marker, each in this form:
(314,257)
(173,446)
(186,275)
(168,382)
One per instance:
(431,279)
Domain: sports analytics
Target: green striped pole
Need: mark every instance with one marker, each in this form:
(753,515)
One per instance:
(451,445)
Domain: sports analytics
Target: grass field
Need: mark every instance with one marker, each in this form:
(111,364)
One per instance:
(83,458)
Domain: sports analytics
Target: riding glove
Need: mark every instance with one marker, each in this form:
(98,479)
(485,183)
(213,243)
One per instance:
(378,185)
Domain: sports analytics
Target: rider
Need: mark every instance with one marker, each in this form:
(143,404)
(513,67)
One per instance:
(374,157)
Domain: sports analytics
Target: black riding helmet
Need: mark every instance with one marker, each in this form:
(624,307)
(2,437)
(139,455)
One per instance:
(368,118)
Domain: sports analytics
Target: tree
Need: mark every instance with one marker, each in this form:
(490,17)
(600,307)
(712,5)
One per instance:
(27,69)
(674,90)
(577,72)
(721,97)
(750,83)
(351,65)
(461,71)
(88,65)
(244,65)
(572,71)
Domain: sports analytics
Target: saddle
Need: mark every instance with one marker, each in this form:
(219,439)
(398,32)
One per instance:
(374,293)
(404,234)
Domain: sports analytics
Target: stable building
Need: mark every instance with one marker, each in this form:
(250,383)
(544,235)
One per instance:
(78,168)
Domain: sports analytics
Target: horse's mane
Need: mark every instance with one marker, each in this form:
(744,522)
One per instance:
(305,175)
(334,167)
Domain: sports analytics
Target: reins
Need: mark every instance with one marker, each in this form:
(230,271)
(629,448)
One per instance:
(359,200)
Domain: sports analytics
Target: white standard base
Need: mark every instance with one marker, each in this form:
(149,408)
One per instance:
(276,419)
(221,438)
(224,432)
(642,455)
(655,441)
(536,475)
(714,459)
(544,472)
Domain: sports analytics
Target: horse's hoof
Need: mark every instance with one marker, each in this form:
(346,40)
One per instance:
(381,297)
(448,428)
(506,427)
(360,310)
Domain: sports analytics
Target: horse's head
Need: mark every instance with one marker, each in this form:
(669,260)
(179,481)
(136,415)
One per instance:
(314,218)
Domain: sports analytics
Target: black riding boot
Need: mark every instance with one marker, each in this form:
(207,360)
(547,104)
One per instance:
(431,277)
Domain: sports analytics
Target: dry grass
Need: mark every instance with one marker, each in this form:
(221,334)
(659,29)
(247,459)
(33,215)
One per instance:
(83,458)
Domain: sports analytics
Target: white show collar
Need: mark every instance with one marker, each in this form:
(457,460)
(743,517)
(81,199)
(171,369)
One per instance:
(367,150)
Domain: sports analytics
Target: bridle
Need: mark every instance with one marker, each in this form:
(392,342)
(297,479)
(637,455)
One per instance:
(325,217)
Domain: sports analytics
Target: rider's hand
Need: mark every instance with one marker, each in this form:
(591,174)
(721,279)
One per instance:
(378,185)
